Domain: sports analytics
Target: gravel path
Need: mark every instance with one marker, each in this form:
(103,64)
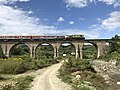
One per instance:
(48,80)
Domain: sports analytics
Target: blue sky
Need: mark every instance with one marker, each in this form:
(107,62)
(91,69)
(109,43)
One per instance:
(93,18)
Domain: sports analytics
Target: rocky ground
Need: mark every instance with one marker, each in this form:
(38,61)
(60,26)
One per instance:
(110,72)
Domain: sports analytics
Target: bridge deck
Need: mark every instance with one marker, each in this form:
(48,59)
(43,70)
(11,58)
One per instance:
(37,40)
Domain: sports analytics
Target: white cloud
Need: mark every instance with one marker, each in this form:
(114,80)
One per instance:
(82,19)
(110,2)
(113,22)
(71,22)
(91,33)
(84,3)
(17,22)
(11,1)
(61,19)
(115,3)
(76,3)
(99,19)
(94,31)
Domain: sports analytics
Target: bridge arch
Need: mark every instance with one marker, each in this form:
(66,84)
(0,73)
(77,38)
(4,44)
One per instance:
(67,49)
(17,48)
(44,49)
(90,50)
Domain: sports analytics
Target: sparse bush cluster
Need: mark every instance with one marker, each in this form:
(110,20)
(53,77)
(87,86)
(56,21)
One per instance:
(77,64)
(20,65)
(9,66)
(21,83)
(73,67)
(112,56)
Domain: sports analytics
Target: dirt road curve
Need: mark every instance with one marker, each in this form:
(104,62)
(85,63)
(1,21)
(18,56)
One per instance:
(49,81)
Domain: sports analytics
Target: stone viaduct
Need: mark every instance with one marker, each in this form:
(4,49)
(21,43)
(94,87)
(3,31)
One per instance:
(100,44)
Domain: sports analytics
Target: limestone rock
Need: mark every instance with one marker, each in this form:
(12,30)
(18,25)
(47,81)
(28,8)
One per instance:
(118,83)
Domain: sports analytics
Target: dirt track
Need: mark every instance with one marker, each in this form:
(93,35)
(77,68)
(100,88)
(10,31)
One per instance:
(49,81)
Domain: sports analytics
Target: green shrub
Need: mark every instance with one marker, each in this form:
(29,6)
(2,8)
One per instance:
(44,61)
(78,64)
(21,69)
(16,65)
(23,64)
(112,56)
(22,83)
(27,58)
(9,66)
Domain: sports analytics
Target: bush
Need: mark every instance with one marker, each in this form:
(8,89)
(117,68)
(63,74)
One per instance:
(23,64)
(44,61)
(22,83)
(110,57)
(9,66)
(21,69)
(78,64)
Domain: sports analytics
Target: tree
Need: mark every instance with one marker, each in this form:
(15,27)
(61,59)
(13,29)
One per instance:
(19,50)
(44,51)
(114,47)
(66,50)
(89,52)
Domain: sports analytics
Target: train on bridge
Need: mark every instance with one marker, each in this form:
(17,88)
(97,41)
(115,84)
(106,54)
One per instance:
(79,36)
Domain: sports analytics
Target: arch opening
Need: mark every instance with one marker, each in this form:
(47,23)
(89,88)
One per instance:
(67,49)
(44,50)
(19,50)
(89,51)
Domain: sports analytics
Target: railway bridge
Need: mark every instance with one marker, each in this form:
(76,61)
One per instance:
(100,44)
